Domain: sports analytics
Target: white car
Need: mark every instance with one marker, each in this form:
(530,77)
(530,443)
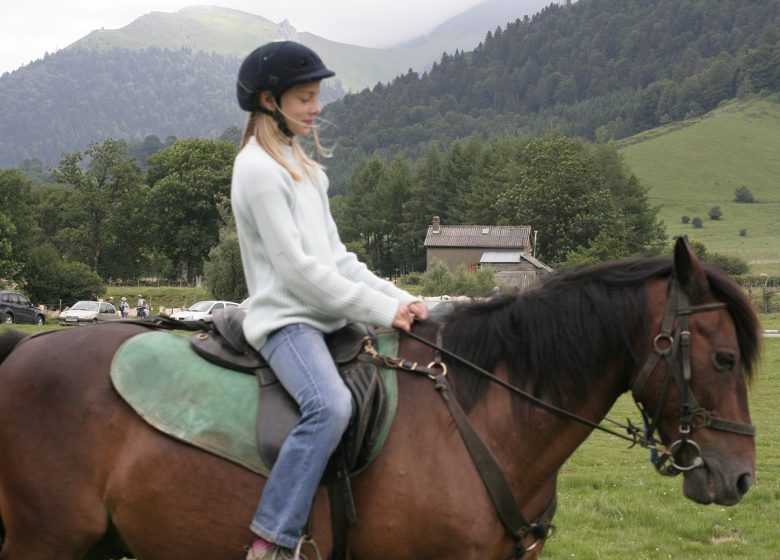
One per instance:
(201,310)
(83,312)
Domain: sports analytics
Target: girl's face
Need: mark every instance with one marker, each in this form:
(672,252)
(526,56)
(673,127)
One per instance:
(301,105)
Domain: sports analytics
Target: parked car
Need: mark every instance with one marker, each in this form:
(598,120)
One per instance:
(83,312)
(202,310)
(17,308)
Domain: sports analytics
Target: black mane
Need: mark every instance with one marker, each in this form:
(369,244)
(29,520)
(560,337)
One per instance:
(559,336)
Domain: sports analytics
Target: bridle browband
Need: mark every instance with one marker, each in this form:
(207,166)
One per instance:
(673,347)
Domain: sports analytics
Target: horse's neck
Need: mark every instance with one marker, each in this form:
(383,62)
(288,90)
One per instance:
(532,444)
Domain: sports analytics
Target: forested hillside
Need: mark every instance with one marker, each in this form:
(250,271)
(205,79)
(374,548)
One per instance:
(173,74)
(599,69)
(55,106)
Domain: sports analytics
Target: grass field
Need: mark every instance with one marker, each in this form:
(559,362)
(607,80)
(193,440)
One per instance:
(691,167)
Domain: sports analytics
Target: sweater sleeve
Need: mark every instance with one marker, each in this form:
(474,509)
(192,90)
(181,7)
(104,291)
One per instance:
(267,199)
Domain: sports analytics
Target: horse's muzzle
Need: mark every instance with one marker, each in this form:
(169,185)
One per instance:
(713,484)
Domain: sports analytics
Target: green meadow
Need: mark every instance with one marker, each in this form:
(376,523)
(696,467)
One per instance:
(691,167)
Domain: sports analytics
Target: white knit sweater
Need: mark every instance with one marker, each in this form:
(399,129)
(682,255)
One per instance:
(296,267)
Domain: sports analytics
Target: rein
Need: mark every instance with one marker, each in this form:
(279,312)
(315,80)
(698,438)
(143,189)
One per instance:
(674,348)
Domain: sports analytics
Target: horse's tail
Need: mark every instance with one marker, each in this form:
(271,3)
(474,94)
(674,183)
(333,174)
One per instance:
(8,340)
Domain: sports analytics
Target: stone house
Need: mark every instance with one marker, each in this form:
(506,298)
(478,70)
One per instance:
(507,249)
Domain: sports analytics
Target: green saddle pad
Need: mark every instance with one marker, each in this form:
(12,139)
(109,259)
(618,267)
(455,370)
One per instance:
(213,408)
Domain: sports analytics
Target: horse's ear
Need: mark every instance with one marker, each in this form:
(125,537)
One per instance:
(689,271)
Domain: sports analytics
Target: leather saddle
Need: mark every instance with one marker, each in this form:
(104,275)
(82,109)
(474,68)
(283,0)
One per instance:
(222,342)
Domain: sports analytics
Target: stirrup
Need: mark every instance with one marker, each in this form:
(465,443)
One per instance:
(306,539)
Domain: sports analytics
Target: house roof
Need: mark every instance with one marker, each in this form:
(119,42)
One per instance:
(501,257)
(489,257)
(508,237)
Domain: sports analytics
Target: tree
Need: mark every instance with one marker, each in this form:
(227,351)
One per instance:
(641,230)
(223,271)
(17,224)
(187,181)
(560,193)
(427,198)
(104,179)
(604,248)
(360,228)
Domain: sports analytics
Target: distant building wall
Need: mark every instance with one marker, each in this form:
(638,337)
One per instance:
(455,257)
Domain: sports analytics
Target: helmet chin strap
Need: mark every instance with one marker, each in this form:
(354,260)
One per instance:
(280,120)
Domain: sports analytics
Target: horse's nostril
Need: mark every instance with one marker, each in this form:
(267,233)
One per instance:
(744,483)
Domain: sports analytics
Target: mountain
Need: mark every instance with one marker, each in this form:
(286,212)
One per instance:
(467,30)
(598,69)
(172,74)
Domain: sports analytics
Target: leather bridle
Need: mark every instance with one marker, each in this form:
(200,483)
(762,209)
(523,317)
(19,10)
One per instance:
(674,348)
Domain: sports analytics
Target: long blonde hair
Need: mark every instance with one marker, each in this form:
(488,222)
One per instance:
(265,130)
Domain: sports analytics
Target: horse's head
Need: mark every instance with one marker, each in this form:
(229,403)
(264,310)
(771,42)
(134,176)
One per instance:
(693,385)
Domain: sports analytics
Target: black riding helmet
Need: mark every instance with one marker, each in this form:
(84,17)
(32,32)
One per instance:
(277,66)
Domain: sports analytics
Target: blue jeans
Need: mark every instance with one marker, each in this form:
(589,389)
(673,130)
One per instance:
(303,364)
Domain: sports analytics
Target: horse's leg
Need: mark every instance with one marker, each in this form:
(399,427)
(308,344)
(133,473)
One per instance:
(53,432)
(46,518)
(171,501)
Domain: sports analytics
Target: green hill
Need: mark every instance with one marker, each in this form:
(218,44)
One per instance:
(697,164)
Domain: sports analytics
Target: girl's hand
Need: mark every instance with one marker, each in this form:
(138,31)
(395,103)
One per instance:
(419,310)
(403,318)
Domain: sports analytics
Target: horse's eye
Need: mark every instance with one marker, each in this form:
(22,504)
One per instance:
(724,360)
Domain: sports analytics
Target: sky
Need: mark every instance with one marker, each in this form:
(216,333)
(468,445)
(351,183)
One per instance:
(31,28)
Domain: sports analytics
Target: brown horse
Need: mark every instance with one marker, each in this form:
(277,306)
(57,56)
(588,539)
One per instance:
(81,476)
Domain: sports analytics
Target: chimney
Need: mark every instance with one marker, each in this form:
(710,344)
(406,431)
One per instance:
(436,225)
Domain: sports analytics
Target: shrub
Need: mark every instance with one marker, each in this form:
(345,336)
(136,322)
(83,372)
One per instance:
(474,284)
(743,232)
(223,271)
(743,195)
(411,279)
(715,213)
(437,280)
(733,265)
(49,279)
(686,219)
(697,223)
